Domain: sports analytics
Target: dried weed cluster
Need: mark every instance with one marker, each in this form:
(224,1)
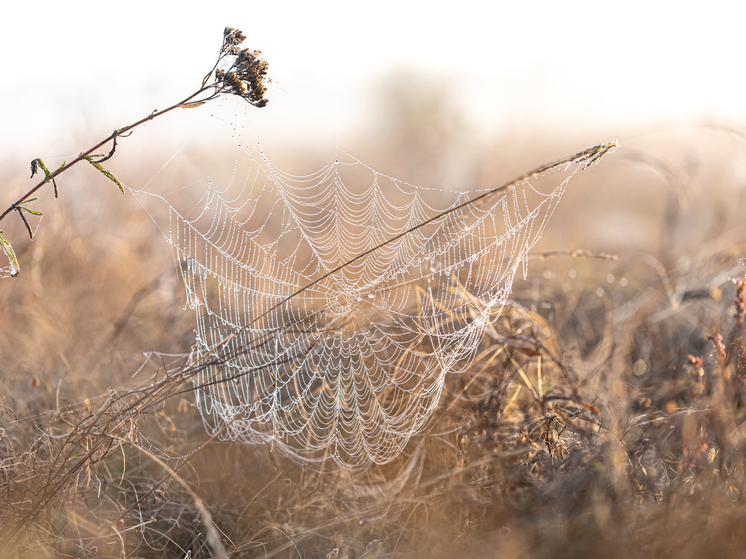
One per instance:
(583,427)
(245,76)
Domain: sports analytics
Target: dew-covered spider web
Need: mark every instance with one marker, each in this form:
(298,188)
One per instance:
(336,303)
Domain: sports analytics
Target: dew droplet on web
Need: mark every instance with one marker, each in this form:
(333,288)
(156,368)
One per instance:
(266,247)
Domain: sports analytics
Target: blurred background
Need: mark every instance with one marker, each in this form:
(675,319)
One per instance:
(465,95)
(487,68)
(460,96)
(445,96)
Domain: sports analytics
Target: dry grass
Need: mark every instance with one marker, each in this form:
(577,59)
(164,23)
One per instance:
(602,417)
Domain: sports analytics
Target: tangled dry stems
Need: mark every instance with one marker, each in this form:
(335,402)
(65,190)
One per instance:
(552,445)
(606,426)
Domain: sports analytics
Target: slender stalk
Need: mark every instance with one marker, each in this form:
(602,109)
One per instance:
(244,78)
(115,134)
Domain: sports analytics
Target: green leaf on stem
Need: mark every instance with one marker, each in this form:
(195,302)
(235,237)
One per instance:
(54,182)
(37,164)
(25,209)
(8,250)
(20,208)
(106,173)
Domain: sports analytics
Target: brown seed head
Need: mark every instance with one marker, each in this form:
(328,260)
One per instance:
(232,37)
(246,73)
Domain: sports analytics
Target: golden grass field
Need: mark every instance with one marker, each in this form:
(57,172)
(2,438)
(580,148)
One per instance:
(603,417)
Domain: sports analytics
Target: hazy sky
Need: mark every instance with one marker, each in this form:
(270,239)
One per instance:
(568,62)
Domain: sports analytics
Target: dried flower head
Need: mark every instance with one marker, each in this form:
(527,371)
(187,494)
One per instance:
(246,74)
(232,38)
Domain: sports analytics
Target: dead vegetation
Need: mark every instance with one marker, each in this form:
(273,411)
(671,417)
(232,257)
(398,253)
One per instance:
(603,416)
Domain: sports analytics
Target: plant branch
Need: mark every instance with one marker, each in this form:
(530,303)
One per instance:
(244,78)
(111,138)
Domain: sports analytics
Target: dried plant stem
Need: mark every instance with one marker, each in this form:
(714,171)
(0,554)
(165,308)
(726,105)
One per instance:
(212,531)
(243,78)
(89,152)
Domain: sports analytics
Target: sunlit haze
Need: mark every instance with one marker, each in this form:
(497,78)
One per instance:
(578,63)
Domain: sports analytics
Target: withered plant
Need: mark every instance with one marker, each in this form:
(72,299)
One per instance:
(239,72)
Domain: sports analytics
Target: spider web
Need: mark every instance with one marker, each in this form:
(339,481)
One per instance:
(336,303)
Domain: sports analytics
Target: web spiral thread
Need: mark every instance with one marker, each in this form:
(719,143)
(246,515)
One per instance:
(337,303)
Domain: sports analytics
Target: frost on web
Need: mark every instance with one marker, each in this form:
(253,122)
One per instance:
(338,302)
